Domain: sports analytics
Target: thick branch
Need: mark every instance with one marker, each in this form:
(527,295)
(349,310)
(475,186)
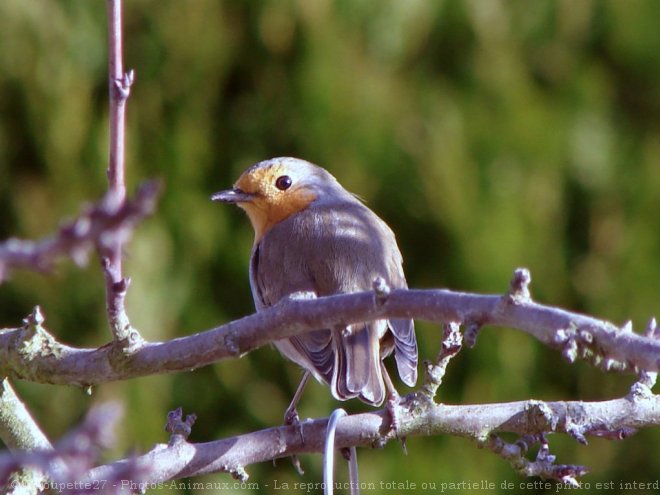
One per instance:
(57,363)
(181,459)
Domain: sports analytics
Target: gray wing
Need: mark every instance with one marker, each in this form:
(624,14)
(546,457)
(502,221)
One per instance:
(367,249)
(327,250)
(276,273)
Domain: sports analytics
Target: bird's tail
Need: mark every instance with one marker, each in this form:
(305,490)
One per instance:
(357,364)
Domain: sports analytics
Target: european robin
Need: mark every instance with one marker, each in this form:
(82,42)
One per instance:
(313,238)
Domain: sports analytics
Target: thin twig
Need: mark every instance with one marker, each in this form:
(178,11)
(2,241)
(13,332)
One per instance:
(542,466)
(452,341)
(94,226)
(111,256)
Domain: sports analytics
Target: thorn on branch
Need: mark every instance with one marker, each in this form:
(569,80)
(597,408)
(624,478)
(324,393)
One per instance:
(127,339)
(619,366)
(570,349)
(121,287)
(34,320)
(34,341)
(381,291)
(179,428)
(518,292)
(576,342)
(105,264)
(651,330)
(123,85)
(649,378)
(575,430)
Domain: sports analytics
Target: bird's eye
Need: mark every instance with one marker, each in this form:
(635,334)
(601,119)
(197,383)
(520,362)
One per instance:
(283,182)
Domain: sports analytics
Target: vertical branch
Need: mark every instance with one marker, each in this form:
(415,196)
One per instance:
(118,95)
(111,249)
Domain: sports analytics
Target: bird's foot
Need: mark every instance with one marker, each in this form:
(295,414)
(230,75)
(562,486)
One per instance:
(392,405)
(291,418)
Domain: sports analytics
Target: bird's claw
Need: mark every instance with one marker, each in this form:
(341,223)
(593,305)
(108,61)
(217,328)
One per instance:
(291,418)
(392,404)
(296,465)
(346,453)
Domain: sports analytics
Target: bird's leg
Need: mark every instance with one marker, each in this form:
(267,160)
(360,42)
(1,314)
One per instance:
(392,401)
(291,414)
(291,418)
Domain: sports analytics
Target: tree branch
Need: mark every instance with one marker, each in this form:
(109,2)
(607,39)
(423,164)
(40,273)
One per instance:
(73,456)
(96,225)
(419,417)
(17,428)
(111,255)
(585,337)
(31,352)
(20,433)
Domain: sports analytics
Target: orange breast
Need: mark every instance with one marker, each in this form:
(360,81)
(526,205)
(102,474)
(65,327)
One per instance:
(268,210)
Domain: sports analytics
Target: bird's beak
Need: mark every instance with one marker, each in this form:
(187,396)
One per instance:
(232,196)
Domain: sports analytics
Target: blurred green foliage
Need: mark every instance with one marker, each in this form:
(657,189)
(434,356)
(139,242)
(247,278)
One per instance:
(489,134)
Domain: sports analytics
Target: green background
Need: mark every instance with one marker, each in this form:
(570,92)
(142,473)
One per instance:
(488,134)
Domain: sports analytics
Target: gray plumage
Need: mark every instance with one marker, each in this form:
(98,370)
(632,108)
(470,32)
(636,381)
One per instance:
(335,245)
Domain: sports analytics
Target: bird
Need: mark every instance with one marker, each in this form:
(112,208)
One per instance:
(313,238)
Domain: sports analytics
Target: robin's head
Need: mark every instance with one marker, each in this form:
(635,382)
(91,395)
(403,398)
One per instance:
(275,189)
